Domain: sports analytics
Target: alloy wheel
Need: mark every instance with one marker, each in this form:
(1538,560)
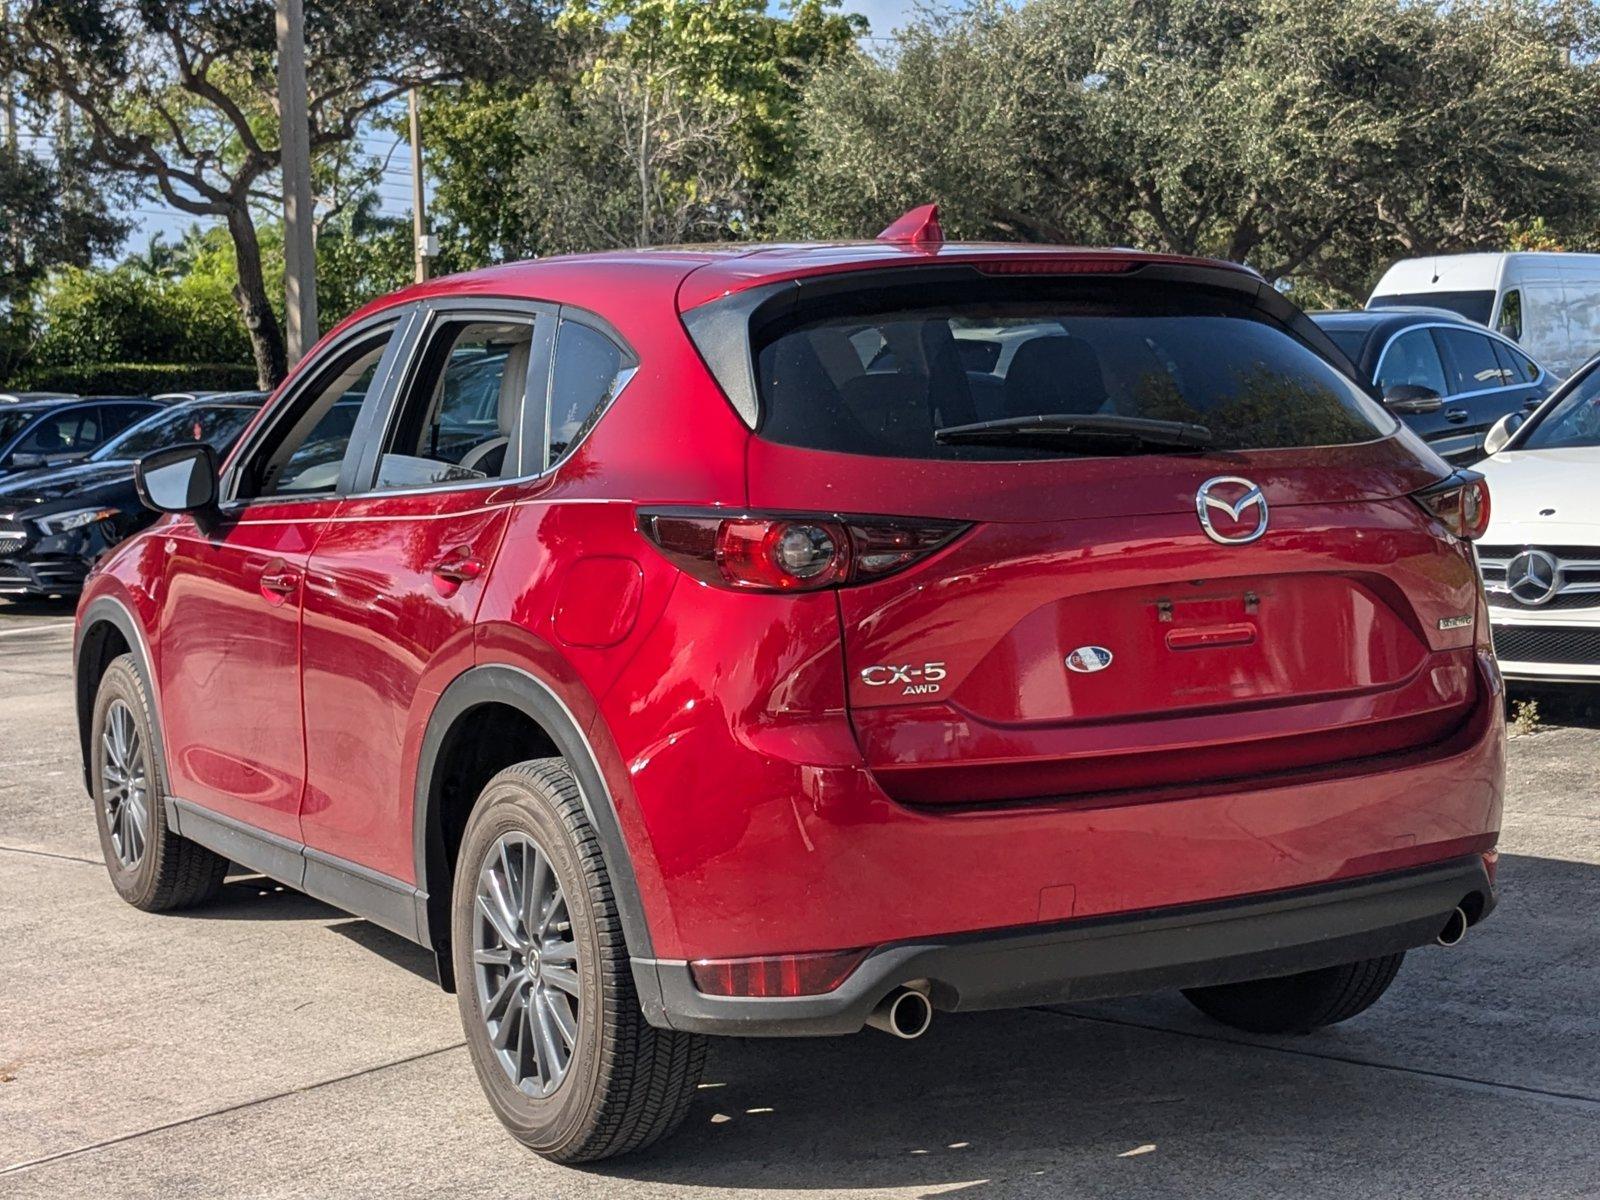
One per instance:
(125,775)
(526,965)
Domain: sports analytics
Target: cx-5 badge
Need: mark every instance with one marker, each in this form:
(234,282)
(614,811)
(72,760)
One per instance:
(1086,660)
(1206,499)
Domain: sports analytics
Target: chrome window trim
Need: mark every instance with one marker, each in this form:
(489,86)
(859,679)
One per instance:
(499,307)
(1377,369)
(273,408)
(431,314)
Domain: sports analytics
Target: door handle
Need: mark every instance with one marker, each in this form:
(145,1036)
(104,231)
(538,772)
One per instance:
(458,567)
(1457,416)
(278,582)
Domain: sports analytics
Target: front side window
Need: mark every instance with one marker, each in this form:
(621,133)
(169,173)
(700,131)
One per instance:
(1412,360)
(1510,322)
(589,370)
(305,447)
(72,432)
(1470,362)
(462,413)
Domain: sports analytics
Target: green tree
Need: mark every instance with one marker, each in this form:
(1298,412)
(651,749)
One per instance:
(48,216)
(1311,140)
(674,120)
(181,98)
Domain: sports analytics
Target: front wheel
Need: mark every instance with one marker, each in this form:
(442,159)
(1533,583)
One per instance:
(1299,1003)
(544,984)
(151,867)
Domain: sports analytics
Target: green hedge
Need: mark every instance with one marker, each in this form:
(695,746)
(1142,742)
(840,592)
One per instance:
(128,379)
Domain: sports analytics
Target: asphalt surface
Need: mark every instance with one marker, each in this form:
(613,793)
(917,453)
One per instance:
(270,1046)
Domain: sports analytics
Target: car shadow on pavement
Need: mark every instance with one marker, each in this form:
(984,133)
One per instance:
(1574,704)
(250,897)
(1477,1072)
(391,946)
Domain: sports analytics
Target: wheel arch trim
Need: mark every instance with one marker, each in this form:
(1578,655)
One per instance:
(518,688)
(109,610)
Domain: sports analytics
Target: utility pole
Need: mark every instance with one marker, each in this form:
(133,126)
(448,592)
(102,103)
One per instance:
(424,247)
(8,83)
(299,244)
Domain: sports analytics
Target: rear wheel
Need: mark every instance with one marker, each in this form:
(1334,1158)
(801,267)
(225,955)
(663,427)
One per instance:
(544,984)
(1299,1003)
(151,867)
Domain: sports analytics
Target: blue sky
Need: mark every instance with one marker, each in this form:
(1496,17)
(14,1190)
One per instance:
(151,216)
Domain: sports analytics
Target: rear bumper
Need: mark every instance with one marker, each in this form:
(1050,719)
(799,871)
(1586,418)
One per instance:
(1131,954)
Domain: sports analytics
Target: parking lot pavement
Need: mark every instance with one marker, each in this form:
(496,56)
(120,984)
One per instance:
(271,1046)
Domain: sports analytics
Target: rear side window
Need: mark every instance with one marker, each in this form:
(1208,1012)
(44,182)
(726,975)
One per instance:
(1469,361)
(460,416)
(1518,367)
(589,370)
(882,379)
(1412,360)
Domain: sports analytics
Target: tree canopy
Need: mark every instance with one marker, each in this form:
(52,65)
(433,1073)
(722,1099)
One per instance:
(1309,139)
(182,98)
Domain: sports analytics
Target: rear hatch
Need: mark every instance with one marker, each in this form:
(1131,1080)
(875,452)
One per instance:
(1192,557)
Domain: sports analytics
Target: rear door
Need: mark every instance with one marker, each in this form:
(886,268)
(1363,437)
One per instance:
(1482,389)
(1119,617)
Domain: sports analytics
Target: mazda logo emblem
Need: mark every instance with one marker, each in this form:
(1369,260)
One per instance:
(1533,577)
(1212,496)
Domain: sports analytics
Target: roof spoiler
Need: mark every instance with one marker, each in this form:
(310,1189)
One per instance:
(919,227)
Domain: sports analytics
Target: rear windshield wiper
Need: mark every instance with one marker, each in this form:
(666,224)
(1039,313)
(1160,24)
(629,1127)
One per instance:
(1105,432)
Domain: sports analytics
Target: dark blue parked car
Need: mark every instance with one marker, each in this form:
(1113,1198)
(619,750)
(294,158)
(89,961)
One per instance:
(1446,377)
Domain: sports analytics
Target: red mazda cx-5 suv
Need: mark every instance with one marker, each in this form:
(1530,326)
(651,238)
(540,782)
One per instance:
(777,640)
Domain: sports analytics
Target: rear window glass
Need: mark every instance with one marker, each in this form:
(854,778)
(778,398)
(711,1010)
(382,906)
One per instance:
(883,370)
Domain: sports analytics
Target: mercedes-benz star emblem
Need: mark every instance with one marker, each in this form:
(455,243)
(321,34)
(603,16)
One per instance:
(1533,577)
(1213,494)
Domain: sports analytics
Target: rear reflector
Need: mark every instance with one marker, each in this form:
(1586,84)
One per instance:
(792,552)
(778,975)
(1460,502)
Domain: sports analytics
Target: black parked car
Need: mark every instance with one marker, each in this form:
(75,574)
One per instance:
(37,433)
(55,521)
(1446,377)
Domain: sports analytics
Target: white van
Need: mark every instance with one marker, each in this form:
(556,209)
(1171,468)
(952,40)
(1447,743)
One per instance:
(1549,303)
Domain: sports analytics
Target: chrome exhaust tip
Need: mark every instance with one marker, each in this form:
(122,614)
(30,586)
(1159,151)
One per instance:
(904,1012)
(1455,928)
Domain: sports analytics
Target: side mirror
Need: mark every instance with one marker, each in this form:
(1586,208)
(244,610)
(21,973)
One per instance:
(24,460)
(1411,399)
(1502,430)
(179,479)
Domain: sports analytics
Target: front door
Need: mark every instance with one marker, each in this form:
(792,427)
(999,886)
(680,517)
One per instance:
(393,584)
(230,620)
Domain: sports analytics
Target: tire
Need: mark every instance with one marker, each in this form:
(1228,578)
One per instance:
(624,1084)
(1299,1003)
(151,867)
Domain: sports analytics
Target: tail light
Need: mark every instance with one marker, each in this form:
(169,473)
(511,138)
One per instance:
(779,975)
(1460,502)
(792,552)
